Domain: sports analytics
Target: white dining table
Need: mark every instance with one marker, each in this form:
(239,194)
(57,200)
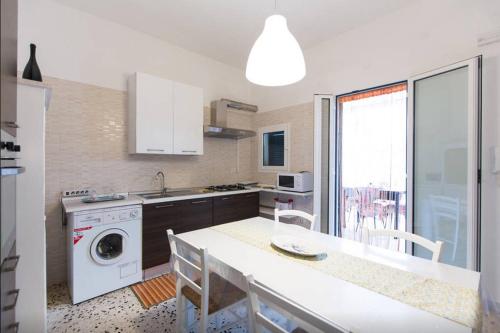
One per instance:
(351,306)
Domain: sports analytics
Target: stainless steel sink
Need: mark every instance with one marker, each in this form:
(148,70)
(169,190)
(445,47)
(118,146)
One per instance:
(169,194)
(155,196)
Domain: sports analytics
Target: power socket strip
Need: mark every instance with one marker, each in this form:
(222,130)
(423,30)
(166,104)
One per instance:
(76,193)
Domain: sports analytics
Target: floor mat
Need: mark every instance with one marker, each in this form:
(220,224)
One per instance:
(155,291)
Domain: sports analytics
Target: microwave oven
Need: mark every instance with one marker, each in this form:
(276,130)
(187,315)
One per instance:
(295,181)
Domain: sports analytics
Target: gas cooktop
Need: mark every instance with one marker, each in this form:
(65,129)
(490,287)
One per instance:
(226,188)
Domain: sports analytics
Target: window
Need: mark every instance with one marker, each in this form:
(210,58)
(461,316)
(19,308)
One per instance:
(273,148)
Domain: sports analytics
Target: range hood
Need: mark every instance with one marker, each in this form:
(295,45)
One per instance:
(218,120)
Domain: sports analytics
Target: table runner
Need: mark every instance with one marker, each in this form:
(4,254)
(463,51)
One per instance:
(441,298)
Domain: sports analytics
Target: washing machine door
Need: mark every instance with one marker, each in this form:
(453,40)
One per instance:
(109,246)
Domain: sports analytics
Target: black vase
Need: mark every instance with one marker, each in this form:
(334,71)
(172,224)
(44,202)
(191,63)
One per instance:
(31,71)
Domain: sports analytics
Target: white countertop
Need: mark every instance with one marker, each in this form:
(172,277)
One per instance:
(291,193)
(75,204)
(198,196)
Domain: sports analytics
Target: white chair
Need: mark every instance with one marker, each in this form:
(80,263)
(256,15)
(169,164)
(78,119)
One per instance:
(434,247)
(298,213)
(446,210)
(305,320)
(209,292)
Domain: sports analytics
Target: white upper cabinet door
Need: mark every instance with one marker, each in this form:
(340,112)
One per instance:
(188,120)
(151,115)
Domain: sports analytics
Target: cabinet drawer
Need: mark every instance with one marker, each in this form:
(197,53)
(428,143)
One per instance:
(161,208)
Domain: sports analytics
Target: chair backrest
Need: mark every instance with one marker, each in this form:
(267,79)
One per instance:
(366,196)
(305,319)
(444,208)
(187,260)
(434,247)
(299,213)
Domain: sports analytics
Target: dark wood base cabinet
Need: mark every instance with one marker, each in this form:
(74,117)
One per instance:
(180,216)
(188,215)
(230,208)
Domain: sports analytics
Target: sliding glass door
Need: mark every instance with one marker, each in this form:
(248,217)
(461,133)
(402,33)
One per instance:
(404,156)
(371,162)
(444,160)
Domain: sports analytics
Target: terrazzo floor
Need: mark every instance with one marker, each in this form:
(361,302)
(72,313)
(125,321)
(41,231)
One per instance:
(116,312)
(121,312)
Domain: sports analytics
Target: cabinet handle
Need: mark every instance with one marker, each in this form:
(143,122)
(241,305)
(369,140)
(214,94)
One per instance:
(14,327)
(250,195)
(149,149)
(13,305)
(226,198)
(189,151)
(199,202)
(164,206)
(15,259)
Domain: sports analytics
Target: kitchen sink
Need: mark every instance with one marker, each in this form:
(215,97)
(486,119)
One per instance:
(155,196)
(170,194)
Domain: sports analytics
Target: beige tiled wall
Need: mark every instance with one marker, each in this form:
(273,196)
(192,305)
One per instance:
(86,146)
(300,119)
(301,123)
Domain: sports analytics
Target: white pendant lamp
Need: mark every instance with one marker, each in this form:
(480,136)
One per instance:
(276,58)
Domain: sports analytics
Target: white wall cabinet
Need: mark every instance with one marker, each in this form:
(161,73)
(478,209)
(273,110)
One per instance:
(165,117)
(188,120)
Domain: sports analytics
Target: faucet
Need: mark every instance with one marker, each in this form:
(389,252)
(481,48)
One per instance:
(163,188)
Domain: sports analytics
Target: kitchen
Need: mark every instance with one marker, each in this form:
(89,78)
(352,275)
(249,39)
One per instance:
(221,150)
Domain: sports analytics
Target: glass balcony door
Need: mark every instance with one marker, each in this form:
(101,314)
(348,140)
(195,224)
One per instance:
(443,161)
(371,162)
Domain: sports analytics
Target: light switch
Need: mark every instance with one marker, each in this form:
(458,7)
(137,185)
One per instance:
(496,159)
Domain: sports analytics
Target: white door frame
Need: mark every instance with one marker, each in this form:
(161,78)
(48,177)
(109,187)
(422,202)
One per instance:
(473,155)
(319,159)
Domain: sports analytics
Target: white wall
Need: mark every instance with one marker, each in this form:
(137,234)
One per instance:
(491,183)
(77,46)
(424,36)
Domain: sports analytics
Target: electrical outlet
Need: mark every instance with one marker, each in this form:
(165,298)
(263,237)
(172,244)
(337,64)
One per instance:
(76,192)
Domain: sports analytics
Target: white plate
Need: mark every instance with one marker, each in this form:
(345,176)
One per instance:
(297,245)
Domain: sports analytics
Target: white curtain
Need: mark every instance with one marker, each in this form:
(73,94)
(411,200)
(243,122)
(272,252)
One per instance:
(374,142)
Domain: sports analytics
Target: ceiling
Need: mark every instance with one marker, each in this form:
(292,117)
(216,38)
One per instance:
(225,30)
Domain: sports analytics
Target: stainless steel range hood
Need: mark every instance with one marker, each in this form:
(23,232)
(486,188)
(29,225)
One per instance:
(218,120)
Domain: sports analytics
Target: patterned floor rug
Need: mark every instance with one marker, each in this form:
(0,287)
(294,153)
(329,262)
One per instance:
(155,291)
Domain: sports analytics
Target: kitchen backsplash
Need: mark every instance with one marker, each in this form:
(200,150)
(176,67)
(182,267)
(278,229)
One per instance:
(301,123)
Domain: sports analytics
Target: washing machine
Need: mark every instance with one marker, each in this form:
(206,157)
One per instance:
(104,250)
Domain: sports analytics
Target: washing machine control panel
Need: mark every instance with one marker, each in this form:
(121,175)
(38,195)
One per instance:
(129,215)
(107,216)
